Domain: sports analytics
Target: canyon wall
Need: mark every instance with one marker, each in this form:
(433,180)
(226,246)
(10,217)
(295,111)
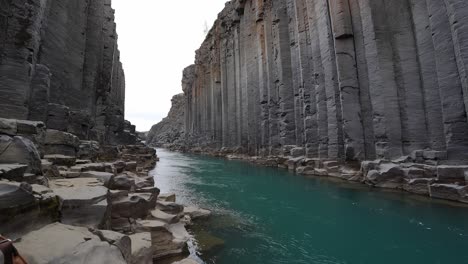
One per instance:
(60,64)
(171,129)
(341,79)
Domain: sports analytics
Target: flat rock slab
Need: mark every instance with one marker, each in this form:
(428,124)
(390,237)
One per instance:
(167,197)
(165,217)
(103,167)
(83,202)
(196,213)
(142,249)
(59,243)
(170,207)
(61,160)
(105,177)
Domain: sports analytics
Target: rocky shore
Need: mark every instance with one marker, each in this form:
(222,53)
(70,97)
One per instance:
(88,202)
(424,172)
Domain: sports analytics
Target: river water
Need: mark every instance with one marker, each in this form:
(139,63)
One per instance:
(268,215)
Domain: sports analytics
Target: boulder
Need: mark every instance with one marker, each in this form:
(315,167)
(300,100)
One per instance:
(123,182)
(105,177)
(88,150)
(58,142)
(452,192)
(167,197)
(83,202)
(164,217)
(418,186)
(170,207)
(142,249)
(59,243)
(196,213)
(388,175)
(144,182)
(8,127)
(24,207)
(121,241)
(131,166)
(20,150)
(13,172)
(452,173)
(61,160)
(34,131)
(135,205)
(167,240)
(119,166)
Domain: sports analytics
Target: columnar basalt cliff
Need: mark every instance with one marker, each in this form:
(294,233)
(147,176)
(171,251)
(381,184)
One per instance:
(337,80)
(59,63)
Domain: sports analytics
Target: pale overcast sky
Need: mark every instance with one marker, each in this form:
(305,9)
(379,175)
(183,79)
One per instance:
(157,40)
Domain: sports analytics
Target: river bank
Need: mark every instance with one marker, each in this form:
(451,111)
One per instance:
(422,173)
(94,203)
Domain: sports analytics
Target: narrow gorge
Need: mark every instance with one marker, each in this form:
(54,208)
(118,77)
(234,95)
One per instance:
(305,131)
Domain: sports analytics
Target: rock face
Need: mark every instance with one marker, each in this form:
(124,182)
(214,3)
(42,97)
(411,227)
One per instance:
(59,64)
(344,80)
(171,129)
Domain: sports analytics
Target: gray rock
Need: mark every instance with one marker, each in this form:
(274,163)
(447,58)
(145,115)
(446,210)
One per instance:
(169,207)
(8,127)
(20,150)
(58,142)
(135,205)
(121,241)
(13,172)
(452,192)
(61,160)
(165,217)
(106,178)
(142,249)
(123,182)
(196,213)
(83,202)
(88,150)
(167,240)
(70,244)
(167,197)
(171,129)
(452,173)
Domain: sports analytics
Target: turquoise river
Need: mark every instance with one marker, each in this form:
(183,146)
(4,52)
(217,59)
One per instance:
(268,215)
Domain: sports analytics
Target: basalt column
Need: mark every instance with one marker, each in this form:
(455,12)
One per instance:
(332,79)
(60,64)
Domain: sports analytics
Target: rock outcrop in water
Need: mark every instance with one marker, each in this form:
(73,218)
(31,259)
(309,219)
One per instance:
(330,83)
(60,64)
(171,130)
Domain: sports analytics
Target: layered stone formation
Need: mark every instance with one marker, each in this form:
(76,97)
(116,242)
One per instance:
(171,130)
(59,64)
(343,80)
